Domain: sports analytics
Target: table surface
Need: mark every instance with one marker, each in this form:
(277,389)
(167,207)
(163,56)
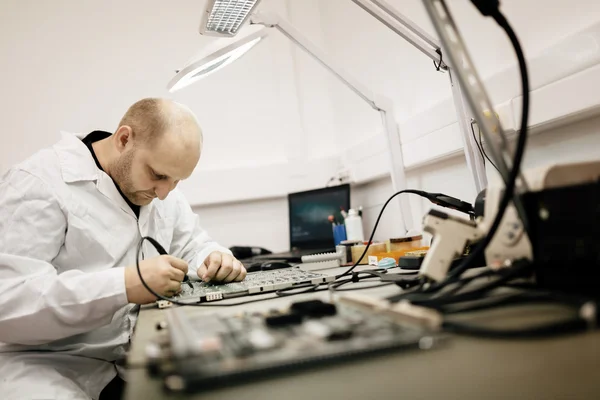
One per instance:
(566,367)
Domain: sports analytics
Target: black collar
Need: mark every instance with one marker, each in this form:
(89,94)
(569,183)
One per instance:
(96,136)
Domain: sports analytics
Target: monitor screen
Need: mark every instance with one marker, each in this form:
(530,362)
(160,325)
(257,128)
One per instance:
(309,226)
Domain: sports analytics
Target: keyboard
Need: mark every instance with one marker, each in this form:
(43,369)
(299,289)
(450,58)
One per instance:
(294,255)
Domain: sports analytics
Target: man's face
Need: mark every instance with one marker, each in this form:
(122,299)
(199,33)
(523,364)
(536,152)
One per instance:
(147,172)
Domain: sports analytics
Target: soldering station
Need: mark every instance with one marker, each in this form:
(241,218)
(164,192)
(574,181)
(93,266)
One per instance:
(532,239)
(289,244)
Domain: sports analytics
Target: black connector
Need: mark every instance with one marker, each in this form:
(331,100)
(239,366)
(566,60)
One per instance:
(452,202)
(487,7)
(446,201)
(283,320)
(313,308)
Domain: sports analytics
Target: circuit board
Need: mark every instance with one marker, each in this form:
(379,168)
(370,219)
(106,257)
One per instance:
(255,282)
(207,351)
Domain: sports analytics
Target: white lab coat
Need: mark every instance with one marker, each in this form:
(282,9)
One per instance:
(66,235)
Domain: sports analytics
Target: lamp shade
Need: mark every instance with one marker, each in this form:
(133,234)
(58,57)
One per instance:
(218,54)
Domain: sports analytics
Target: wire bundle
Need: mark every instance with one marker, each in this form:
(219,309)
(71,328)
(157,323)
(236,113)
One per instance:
(449,296)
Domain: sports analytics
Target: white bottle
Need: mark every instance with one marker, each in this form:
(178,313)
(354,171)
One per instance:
(354,227)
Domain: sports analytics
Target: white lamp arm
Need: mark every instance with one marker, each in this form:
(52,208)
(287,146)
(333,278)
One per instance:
(380,103)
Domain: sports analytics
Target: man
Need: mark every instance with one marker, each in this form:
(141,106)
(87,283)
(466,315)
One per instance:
(71,218)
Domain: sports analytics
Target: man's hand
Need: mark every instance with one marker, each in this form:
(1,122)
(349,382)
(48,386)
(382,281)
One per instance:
(163,274)
(221,267)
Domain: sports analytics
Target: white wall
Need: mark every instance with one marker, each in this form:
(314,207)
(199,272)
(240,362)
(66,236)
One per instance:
(72,65)
(261,223)
(77,66)
(393,67)
(422,96)
(574,142)
(265,223)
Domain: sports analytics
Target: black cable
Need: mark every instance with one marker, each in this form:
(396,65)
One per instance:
(161,251)
(335,286)
(581,320)
(286,293)
(291,291)
(363,287)
(488,302)
(479,145)
(483,147)
(314,287)
(460,285)
(436,198)
(509,190)
(520,151)
(299,289)
(356,277)
(572,325)
(438,66)
(349,270)
(506,275)
(422,293)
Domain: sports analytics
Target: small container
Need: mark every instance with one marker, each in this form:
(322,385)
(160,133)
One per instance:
(374,248)
(376,257)
(354,226)
(404,243)
(339,234)
(346,253)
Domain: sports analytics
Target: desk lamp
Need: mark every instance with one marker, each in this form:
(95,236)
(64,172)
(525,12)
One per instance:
(225,17)
(227,49)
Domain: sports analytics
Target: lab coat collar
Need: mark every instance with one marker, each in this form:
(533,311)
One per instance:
(77,164)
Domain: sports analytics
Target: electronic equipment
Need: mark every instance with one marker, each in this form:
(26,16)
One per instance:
(318,257)
(562,206)
(320,265)
(548,217)
(267,266)
(247,252)
(202,351)
(310,230)
(255,283)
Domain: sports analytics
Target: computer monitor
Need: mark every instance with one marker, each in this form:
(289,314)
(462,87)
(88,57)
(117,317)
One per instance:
(309,212)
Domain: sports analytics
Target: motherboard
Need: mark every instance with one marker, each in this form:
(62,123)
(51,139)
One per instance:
(255,283)
(203,351)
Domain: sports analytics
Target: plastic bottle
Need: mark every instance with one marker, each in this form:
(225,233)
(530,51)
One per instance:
(354,227)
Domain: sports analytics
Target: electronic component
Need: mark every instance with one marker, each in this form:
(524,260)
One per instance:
(267,266)
(412,259)
(313,308)
(561,205)
(204,351)
(255,282)
(411,262)
(563,214)
(311,258)
(451,236)
(418,253)
(403,312)
(320,265)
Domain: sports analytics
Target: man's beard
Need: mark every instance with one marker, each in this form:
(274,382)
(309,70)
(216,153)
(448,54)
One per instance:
(121,175)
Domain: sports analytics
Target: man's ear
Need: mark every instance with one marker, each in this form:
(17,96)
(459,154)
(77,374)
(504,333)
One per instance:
(124,138)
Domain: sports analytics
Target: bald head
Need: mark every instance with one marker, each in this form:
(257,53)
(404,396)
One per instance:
(152,118)
(157,144)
